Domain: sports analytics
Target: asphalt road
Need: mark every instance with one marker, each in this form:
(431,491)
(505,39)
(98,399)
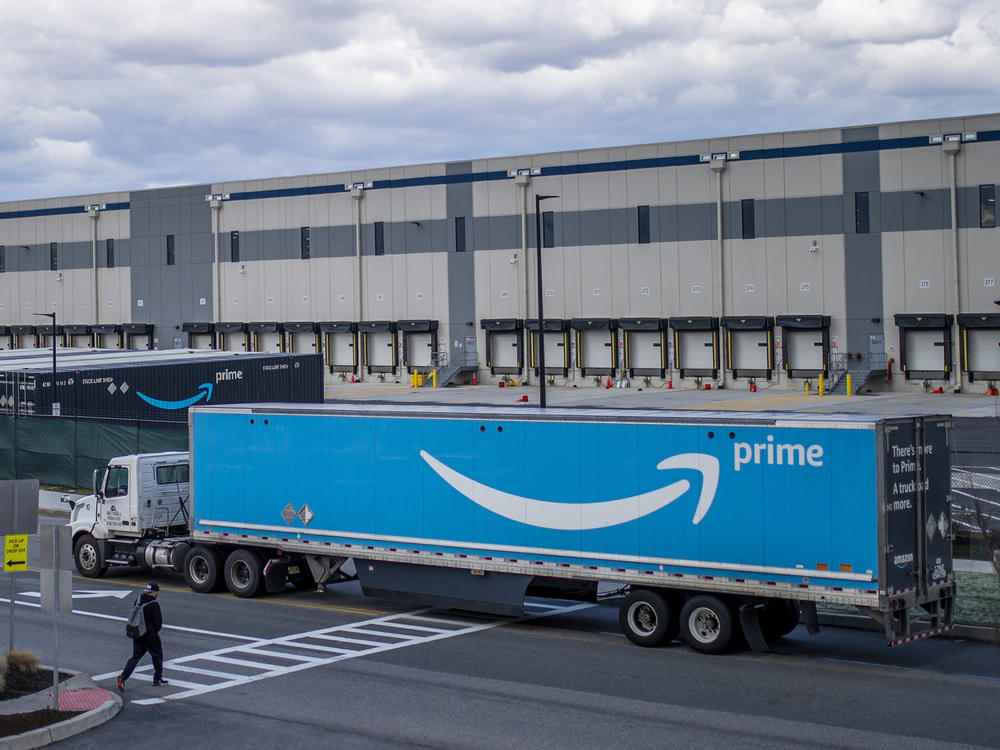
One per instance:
(447,680)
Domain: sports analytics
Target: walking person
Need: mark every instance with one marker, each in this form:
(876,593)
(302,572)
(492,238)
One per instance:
(149,639)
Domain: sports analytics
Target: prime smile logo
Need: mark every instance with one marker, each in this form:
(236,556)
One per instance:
(548,514)
(204,392)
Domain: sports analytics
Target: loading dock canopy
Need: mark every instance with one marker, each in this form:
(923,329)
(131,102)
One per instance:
(504,345)
(74,329)
(980,345)
(197,327)
(416,326)
(750,345)
(806,344)
(338,326)
(263,327)
(696,346)
(305,327)
(925,345)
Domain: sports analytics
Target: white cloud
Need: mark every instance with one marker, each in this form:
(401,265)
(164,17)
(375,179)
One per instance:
(194,92)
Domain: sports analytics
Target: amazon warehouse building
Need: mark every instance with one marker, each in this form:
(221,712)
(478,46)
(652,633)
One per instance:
(777,258)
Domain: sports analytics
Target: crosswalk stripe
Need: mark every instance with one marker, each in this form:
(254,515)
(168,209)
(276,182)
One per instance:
(381,627)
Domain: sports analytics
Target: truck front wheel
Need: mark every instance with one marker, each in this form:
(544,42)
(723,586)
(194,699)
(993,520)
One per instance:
(203,569)
(244,573)
(707,624)
(89,560)
(648,618)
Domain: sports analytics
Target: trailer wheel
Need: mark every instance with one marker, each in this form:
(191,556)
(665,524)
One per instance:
(707,624)
(244,573)
(648,618)
(87,555)
(778,618)
(203,569)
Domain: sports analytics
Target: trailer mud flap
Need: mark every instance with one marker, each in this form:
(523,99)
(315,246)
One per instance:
(457,588)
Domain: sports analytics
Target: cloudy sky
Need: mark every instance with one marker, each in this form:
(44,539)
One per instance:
(104,95)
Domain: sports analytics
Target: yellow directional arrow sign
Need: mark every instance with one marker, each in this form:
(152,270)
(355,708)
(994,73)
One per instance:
(15,552)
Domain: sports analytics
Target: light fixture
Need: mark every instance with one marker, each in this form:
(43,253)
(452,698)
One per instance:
(814,247)
(242,271)
(919,192)
(59,277)
(513,259)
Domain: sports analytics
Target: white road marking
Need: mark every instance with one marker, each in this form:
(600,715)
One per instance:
(83,594)
(380,626)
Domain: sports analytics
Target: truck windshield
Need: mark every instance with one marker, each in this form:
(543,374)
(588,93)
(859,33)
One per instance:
(117,483)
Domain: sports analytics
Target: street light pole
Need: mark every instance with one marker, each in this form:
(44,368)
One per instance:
(541,293)
(53,316)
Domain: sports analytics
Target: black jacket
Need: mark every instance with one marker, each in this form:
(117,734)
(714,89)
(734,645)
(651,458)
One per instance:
(154,618)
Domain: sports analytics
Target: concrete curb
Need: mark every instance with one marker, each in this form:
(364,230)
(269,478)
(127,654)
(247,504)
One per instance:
(63,729)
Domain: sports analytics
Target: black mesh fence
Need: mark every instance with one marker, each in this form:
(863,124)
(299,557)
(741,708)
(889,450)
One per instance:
(64,451)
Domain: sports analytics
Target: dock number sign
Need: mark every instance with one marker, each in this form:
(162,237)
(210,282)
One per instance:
(15,552)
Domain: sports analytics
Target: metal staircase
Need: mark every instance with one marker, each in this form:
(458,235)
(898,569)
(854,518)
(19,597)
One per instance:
(862,369)
(447,372)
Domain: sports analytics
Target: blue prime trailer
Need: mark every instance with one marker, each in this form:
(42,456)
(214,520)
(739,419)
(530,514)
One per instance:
(713,525)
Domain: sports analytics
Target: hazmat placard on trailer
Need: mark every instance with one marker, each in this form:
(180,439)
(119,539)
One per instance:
(15,552)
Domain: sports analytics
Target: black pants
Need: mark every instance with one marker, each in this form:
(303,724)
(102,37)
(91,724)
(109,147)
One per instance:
(149,642)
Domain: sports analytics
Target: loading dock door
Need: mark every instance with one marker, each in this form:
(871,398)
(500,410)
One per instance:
(749,350)
(750,346)
(199,335)
(804,350)
(378,346)
(504,345)
(980,337)
(22,337)
(596,346)
(556,346)
(983,347)
(138,335)
(505,352)
(340,340)
(696,350)
(419,344)
(925,345)
(301,338)
(924,350)
(106,336)
(645,353)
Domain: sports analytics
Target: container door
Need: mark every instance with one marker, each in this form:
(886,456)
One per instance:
(983,349)
(901,513)
(925,349)
(749,350)
(697,350)
(645,350)
(804,349)
(936,521)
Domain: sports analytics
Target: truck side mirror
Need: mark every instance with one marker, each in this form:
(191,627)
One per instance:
(96,481)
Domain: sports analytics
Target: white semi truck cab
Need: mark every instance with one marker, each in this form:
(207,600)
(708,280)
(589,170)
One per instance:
(138,514)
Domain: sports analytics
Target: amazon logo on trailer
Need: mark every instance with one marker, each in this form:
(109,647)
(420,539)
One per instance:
(598,514)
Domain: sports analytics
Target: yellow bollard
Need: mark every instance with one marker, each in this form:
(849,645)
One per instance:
(807,387)
(820,390)
(849,391)
(434,378)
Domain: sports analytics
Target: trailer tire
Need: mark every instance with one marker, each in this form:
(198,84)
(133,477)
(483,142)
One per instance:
(648,618)
(244,573)
(88,557)
(708,624)
(778,618)
(203,569)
